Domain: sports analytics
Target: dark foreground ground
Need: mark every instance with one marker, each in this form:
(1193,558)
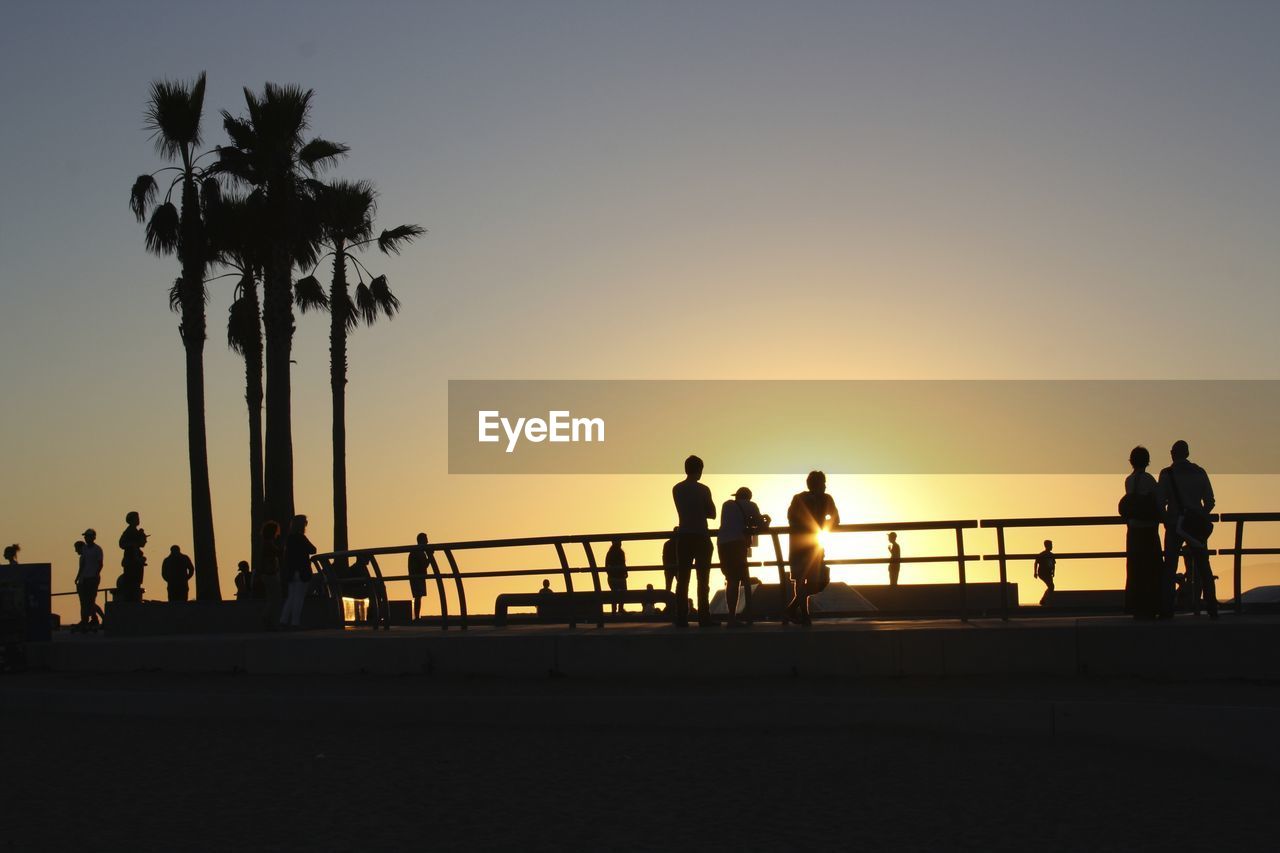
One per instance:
(221,763)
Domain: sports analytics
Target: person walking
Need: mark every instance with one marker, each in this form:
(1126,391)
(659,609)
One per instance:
(268,574)
(419,562)
(811,514)
(1189,501)
(177,571)
(1045,567)
(693,543)
(296,571)
(88,577)
(739,517)
(1144,557)
(615,570)
(895,559)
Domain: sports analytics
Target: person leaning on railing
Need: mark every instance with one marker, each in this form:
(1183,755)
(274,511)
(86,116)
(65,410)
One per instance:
(297,571)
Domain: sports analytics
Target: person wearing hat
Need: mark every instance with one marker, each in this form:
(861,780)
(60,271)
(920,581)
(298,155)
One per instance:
(88,576)
(738,518)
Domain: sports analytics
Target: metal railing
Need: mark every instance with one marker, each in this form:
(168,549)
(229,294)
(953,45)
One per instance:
(333,566)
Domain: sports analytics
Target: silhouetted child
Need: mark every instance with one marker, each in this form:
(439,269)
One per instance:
(895,559)
(1046,565)
(244,581)
(648,608)
(615,569)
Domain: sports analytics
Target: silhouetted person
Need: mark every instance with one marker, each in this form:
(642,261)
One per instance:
(648,608)
(1185,487)
(177,571)
(811,514)
(615,570)
(296,571)
(895,559)
(1045,567)
(419,562)
(1144,558)
(739,517)
(132,541)
(546,587)
(244,581)
(671,558)
(693,542)
(88,577)
(11,553)
(268,574)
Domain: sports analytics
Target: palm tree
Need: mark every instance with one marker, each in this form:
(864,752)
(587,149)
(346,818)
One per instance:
(270,153)
(173,116)
(346,212)
(234,236)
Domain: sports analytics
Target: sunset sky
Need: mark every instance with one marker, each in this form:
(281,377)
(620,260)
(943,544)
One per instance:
(656,190)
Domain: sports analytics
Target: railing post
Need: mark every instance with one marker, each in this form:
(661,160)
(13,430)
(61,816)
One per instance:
(783,585)
(378,592)
(595,581)
(1237,563)
(964,592)
(568,584)
(462,593)
(444,603)
(1004,574)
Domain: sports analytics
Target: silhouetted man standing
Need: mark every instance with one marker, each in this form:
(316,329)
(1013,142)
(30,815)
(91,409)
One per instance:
(177,572)
(895,559)
(693,542)
(1185,491)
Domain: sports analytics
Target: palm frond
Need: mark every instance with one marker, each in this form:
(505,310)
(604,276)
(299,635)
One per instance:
(390,241)
(319,154)
(163,230)
(173,115)
(142,195)
(308,295)
(210,196)
(175,295)
(383,297)
(244,325)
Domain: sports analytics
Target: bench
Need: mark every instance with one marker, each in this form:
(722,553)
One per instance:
(573,607)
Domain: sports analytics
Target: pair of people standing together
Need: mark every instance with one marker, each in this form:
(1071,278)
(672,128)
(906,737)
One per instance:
(1183,500)
(811,513)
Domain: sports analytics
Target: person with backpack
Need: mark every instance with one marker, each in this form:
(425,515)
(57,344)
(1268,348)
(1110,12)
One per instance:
(739,518)
(1187,494)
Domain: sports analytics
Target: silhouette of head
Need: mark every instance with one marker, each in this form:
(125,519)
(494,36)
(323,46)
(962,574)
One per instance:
(90,535)
(1180,450)
(649,587)
(133,518)
(816,481)
(270,530)
(693,467)
(1048,544)
(11,551)
(893,537)
(617,543)
(1139,457)
(174,549)
(298,524)
(743,494)
(243,565)
(546,584)
(422,539)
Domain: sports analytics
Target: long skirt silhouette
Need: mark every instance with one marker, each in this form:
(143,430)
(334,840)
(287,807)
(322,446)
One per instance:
(1144,561)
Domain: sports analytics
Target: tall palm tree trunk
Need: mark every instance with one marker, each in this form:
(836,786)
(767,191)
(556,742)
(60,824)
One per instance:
(338,302)
(193,337)
(278,323)
(253,401)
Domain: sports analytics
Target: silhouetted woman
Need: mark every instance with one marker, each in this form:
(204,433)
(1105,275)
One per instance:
(811,513)
(132,541)
(615,569)
(296,571)
(267,577)
(1144,556)
(11,553)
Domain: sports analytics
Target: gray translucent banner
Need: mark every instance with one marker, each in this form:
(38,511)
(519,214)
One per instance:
(859,426)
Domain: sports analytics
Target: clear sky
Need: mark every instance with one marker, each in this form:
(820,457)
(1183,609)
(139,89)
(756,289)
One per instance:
(640,190)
